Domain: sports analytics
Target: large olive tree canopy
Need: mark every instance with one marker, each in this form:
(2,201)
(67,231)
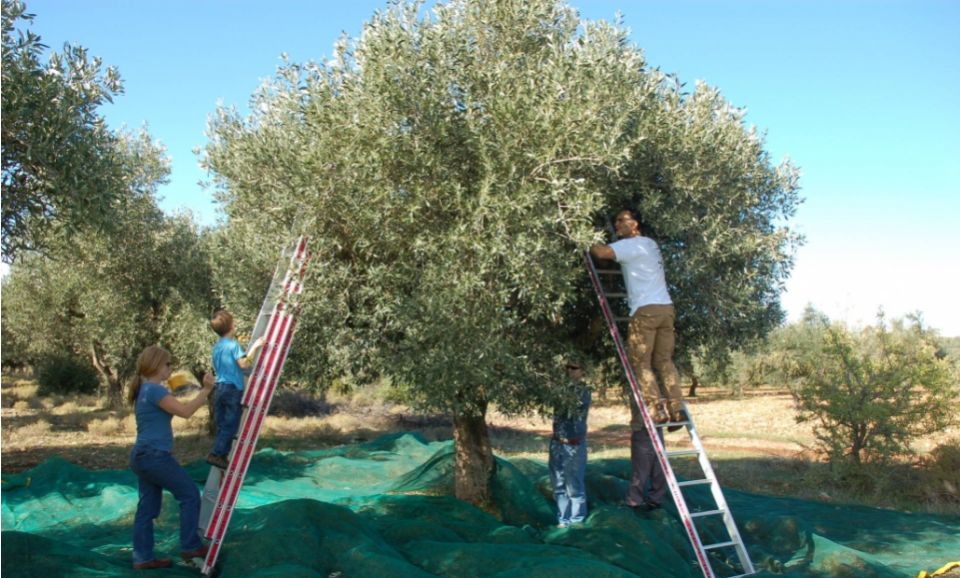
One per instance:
(453,165)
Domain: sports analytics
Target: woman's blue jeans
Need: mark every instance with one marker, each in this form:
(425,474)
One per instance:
(157,471)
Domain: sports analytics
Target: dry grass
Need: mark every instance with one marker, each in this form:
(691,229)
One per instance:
(315,427)
(108,426)
(754,441)
(68,407)
(21,389)
(37,429)
(22,405)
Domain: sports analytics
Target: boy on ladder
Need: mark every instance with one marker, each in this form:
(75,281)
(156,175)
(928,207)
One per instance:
(229,363)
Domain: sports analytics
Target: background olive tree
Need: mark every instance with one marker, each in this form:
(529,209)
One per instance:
(101,297)
(870,392)
(452,167)
(62,169)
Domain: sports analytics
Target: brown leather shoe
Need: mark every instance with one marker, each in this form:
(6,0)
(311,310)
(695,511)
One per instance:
(200,552)
(154,564)
(660,417)
(218,461)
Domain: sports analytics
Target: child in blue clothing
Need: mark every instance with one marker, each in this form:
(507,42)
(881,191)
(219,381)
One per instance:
(229,363)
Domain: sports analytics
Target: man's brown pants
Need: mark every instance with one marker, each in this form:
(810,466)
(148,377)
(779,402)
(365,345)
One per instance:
(650,348)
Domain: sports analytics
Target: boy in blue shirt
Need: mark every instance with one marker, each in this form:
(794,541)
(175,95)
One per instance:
(229,363)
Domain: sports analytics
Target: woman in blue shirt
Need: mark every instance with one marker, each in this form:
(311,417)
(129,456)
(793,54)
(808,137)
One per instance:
(152,461)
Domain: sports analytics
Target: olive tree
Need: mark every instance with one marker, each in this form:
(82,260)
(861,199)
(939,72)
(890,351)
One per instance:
(103,297)
(869,392)
(451,168)
(61,168)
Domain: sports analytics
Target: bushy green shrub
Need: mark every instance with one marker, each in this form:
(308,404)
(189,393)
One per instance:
(869,393)
(62,374)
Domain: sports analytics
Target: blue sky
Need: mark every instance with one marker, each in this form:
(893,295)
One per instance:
(861,95)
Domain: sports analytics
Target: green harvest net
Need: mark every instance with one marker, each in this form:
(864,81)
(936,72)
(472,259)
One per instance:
(384,508)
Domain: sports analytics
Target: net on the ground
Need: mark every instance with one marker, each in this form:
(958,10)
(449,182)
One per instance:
(384,508)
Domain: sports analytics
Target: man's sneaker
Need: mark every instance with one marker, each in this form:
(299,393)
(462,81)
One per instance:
(200,552)
(153,564)
(218,461)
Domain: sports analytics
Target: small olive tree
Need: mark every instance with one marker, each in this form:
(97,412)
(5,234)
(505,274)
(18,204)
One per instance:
(870,392)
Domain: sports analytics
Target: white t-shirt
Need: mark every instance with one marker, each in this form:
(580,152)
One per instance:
(642,266)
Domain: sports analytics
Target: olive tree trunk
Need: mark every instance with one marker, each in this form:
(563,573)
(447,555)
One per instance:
(108,377)
(474,459)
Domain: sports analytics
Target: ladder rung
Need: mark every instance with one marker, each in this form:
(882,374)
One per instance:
(706,513)
(680,453)
(610,271)
(622,319)
(615,295)
(720,545)
(694,483)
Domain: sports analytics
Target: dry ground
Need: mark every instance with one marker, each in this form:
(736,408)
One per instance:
(754,442)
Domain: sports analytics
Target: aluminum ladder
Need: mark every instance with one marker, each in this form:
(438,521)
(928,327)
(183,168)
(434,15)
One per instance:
(275,322)
(687,517)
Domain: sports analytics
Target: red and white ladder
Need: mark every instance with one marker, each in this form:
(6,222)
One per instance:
(663,455)
(275,322)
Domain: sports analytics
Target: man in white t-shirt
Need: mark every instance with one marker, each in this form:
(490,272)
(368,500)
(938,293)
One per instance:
(650,347)
(651,338)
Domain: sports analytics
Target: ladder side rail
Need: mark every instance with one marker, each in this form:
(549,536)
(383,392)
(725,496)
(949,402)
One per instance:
(658,447)
(230,489)
(718,497)
(294,267)
(259,327)
(258,412)
(283,340)
(243,449)
(225,478)
(255,383)
(287,343)
(284,310)
(210,499)
(266,395)
(276,306)
(278,280)
(261,375)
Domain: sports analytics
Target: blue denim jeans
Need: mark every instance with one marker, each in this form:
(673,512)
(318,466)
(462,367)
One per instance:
(157,471)
(568,468)
(226,411)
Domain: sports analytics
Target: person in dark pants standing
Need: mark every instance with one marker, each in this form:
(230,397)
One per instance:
(568,453)
(646,470)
